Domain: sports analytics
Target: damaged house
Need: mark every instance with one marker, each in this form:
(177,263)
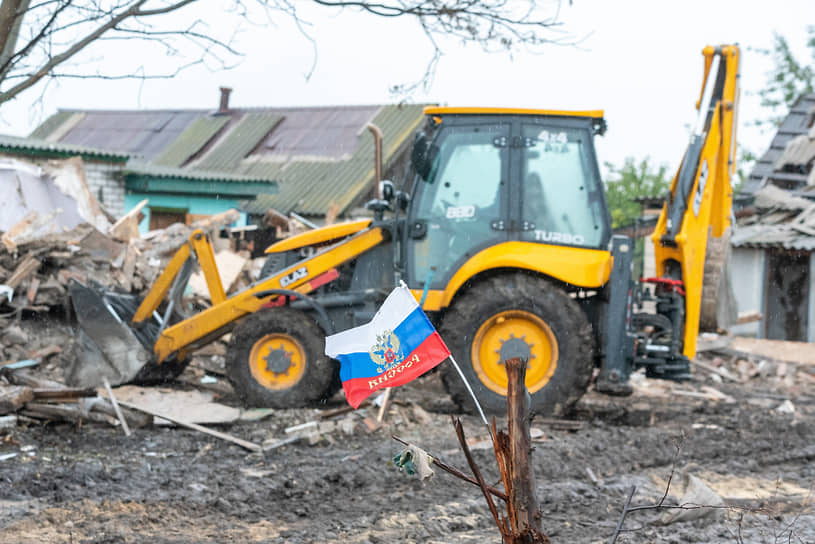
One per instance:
(774,242)
(311,161)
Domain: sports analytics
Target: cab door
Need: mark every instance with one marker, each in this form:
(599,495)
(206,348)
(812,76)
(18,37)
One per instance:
(557,194)
(462,205)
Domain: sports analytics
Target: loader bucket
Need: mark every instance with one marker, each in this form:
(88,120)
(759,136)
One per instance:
(106,345)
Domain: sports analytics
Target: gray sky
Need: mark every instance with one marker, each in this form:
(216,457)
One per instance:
(640,61)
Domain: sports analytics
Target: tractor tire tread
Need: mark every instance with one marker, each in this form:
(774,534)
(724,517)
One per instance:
(523,291)
(318,382)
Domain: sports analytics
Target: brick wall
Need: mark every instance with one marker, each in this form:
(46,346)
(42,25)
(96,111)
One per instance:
(106,186)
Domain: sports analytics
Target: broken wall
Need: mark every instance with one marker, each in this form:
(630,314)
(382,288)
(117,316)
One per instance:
(57,190)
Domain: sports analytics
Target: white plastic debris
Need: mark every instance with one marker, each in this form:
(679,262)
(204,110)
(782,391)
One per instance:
(415,460)
(786,407)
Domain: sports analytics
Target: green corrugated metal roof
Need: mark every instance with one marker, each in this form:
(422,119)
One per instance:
(311,187)
(50,125)
(238,141)
(317,156)
(189,142)
(36,147)
(149,169)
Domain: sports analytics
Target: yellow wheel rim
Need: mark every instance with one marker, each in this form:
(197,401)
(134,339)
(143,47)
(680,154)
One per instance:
(516,326)
(277,361)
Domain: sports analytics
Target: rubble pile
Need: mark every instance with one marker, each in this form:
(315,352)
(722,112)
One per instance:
(765,372)
(35,271)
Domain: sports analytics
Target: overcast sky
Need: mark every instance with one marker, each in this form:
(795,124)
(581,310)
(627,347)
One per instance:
(640,61)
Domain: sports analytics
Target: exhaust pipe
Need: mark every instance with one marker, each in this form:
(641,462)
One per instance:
(377,132)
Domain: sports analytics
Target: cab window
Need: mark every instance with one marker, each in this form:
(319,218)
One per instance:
(561,194)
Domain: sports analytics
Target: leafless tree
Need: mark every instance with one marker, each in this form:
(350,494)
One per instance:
(45,39)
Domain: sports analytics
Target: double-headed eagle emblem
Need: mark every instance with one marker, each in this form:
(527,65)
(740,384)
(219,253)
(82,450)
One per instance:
(385,352)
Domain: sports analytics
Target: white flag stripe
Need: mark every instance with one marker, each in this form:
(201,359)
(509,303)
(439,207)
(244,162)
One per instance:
(399,304)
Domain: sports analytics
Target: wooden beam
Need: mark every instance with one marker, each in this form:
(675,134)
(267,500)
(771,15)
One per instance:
(194,426)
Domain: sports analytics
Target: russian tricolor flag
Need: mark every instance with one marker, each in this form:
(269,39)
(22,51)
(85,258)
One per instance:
(398,345)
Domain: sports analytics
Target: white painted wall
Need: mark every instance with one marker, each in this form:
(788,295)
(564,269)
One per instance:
(747,269)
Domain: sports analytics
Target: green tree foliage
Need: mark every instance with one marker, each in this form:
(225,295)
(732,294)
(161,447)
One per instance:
(789,78)
(634,180)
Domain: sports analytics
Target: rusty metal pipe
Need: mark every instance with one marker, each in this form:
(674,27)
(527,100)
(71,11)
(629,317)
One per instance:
(377,132)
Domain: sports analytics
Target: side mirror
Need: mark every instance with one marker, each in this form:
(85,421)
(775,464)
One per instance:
(402,200)
(386,190)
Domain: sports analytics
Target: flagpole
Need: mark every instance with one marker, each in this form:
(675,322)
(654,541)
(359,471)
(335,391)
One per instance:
(472,393)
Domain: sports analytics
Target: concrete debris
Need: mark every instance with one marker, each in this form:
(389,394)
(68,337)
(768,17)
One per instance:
(36,265)
(726,359)
(14,397)
(697,500)
(188,406)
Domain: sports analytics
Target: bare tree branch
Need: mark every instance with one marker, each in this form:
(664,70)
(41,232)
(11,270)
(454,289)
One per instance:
(52,33)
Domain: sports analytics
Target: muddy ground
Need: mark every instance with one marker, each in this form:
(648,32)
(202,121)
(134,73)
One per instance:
(91,484)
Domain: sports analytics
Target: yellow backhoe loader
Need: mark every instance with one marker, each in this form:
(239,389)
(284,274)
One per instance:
(503,233)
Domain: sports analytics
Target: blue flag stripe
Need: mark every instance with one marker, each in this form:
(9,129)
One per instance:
(412,331)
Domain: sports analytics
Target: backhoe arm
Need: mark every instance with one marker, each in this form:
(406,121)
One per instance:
(214,321)
(699,204)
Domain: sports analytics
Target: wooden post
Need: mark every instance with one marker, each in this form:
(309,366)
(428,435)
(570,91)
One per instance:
(524,504)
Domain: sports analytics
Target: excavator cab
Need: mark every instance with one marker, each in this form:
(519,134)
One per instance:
(494,176)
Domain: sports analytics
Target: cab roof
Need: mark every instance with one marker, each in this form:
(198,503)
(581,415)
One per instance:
(438,110)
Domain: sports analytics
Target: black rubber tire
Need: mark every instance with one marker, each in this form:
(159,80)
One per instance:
(538,296)
(318,381)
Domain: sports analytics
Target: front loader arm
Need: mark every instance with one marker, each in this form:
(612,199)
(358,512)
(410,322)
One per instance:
(217,319)
(699,204)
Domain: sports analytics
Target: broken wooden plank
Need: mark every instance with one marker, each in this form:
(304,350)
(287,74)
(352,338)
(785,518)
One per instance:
(269,445)
(33,285)
(386,397)
(326,414)
(127,227)
(223,436)
(64,413)
(47,351)
(115,404)
(718,371)
(24,377)
(749,317)
(27,266)
(135,419)
(62,394)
